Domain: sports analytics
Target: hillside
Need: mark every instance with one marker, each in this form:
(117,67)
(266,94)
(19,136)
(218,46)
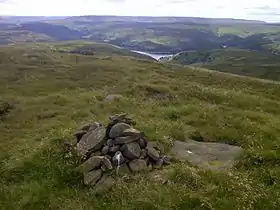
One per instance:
(243,62)
(47,92)
(150,34)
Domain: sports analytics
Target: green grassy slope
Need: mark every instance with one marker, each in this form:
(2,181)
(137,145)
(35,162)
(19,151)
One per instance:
(235,61)
(51,93)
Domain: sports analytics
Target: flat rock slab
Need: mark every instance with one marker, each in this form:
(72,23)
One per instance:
(210,156)
(92,141)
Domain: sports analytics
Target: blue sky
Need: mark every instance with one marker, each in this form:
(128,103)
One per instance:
(268,10)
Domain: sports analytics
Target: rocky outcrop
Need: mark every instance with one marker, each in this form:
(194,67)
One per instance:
(114,150)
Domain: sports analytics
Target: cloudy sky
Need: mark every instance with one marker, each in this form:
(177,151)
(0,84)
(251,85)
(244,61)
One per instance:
(268,10)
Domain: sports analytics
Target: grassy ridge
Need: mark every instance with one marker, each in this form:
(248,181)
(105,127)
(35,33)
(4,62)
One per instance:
(243,62)
(53,93)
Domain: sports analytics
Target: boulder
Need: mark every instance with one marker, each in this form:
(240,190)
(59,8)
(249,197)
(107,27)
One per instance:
(166,160)
(107,163)
(118,129)
(138,165)
(143,143)
(79,134)
(90,164)
(92,141)
(155,145)
(114,149)
(110,142)
(129,139)
(152,153)
(123,170)
(143,154)
(90,178)
(94,126)
(104,184)
(105,150)
(158,164)
(211,156)
(132,151)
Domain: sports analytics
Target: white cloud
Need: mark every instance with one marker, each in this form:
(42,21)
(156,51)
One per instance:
(248,9)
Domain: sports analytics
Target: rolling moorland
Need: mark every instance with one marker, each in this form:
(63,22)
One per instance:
(49,90)
(236,61)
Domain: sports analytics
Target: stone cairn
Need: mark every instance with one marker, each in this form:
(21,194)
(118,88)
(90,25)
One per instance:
(115,150)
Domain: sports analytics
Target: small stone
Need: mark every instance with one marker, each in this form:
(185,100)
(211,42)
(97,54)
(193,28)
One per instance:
(143,154)
(153,153)
(90,178)
(118,117)
(155,145)
(106,162)
(132,151)
(128,139)
(158,164)
(90,164)
(143,143)
(105,150)
(113,97)
(79,135)
(117,130)
(138,165)
(114,149)
(104,184)
(166,160)
(110,142)
(131,132)
(118,159)
(123,170)
(92,141)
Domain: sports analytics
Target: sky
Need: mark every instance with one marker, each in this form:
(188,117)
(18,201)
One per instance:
(267,10)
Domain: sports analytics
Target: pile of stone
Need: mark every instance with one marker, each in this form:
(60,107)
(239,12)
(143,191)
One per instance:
(117,149)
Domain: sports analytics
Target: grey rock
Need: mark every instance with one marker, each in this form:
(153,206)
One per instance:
(131,132)
(118,117)
(108,157)
(123,170)
(104,184)
(211,156)
(110,142)
(118,159)
(106,162)
(85,127)
(143,154)
(117,130)
(143,143)
(155,145)
(105,150)
(138,165)
(166,160)
(92,141)
(153,153)
(79,135)
(90,164)
(97,153)
(113,97)
(114,149)
(128,139)
(94,126)
(158,164)
(90,178)
(132,151)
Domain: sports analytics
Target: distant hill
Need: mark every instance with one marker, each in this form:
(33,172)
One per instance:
(243,62)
